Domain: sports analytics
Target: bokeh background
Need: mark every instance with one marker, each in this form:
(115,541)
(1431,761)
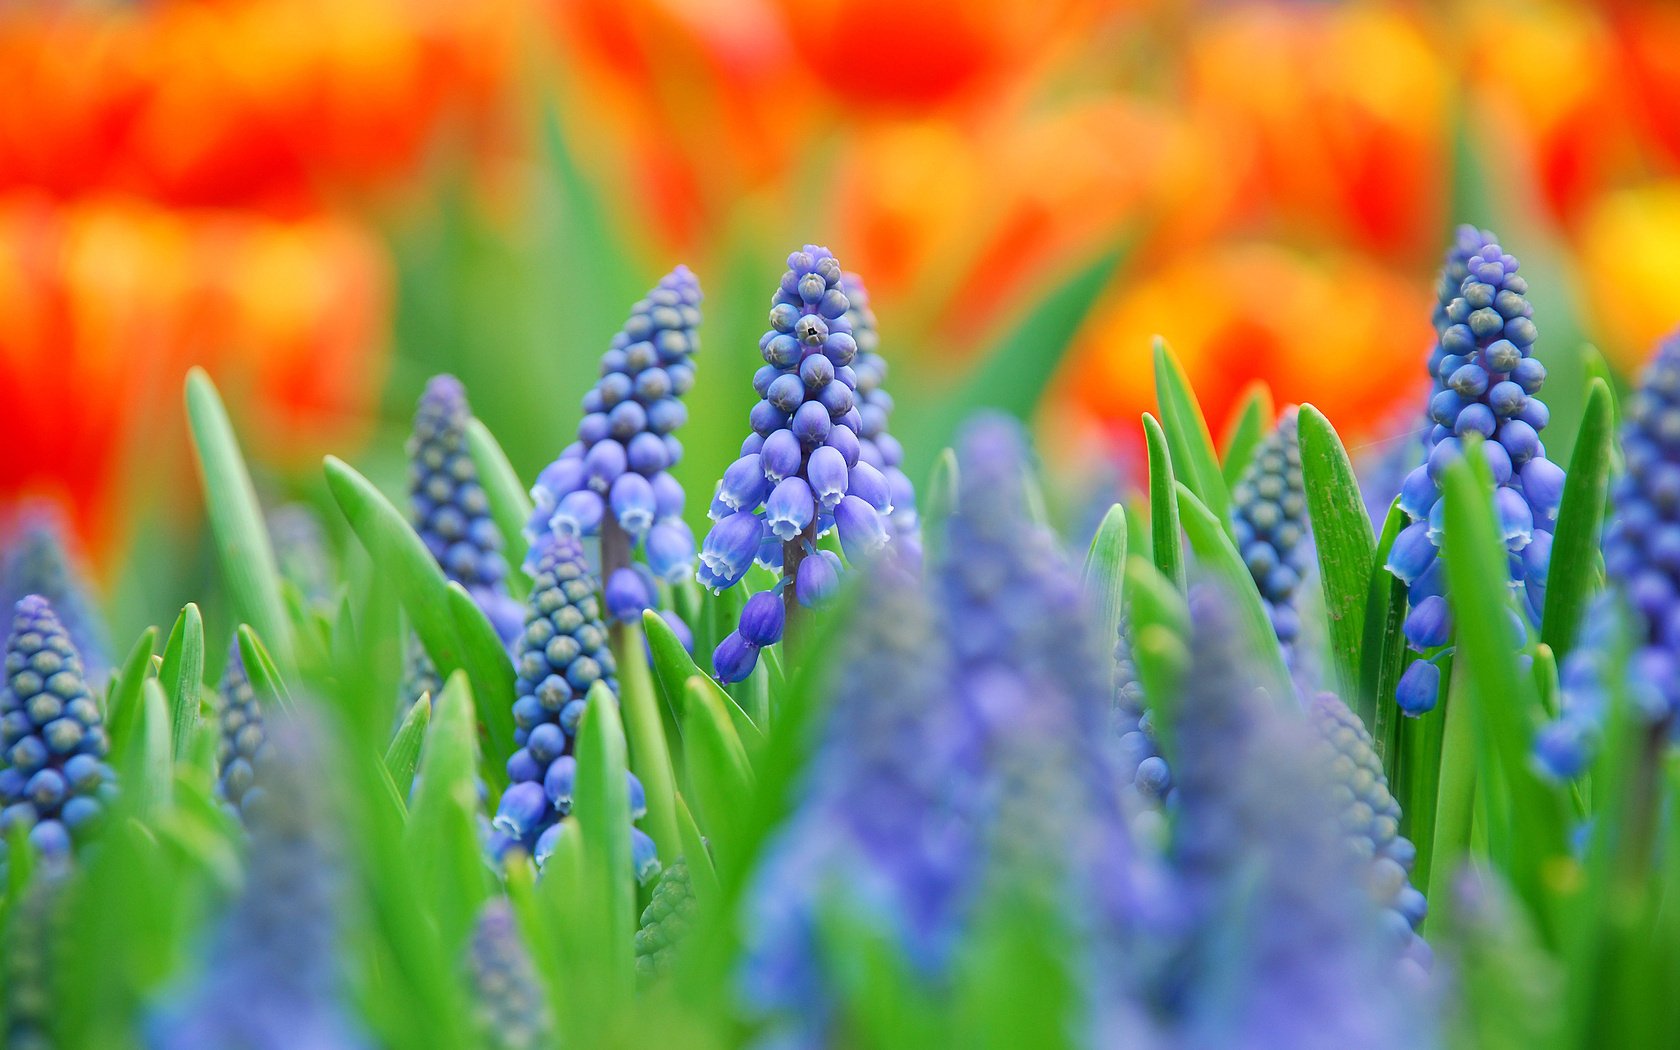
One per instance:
(325,201)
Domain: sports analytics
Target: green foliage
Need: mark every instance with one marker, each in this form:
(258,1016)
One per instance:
(1342,536)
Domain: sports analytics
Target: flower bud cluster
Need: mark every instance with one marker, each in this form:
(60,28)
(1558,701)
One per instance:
(239,717)
(1269,521)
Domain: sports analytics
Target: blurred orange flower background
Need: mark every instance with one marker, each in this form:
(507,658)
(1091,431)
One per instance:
(222,182)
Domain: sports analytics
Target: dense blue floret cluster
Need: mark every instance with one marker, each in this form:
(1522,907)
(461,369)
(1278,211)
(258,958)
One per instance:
(239,747)
(1269,522)
(970,704)
(1288,947)
(559,655)
(510,1009)
(1642,562)
(36,558)
(802,471)
(617,472)
(1490,384)
(1468,242)
(1146,779)
(877,446)
(34,924)
(448,506)
(1370,817)
(54,780)
(273,978)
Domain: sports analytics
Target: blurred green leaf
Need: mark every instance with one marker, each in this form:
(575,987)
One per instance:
(1166,541)
(183,675)
(259,668)
(236,519)
(1195,462)
(1015,372)
(1573,577)
(509,504)
(717,764)
(122,712)
(650,754)
(1218,556)
(488,667)
(1342,536)
(1105,572)
(402,758)
(146,771)
(1382,650)
(606,880)
(442,836)
(1247,431)
(1160,625)
(673,668)
(701,872)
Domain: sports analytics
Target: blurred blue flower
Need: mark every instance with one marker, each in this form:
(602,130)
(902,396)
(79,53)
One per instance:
(36,558)
(242,738)
(272,978)
(54,781)
(1487,389)
(509,1005)
(448,507)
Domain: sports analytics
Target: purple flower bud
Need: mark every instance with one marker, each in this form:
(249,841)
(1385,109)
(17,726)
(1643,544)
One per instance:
(842,439)
(1419,687)
(786,393)
(870,485)
(1412,552)
(644,856)
(1429,624)
(666,414)
(818,579)
(626,420)
(667,496)
(670,550)
(522,808)
(1418,493)
(766,418)
(743,485)
(781,456)
(811,424)
(627,595)
(633,503)
(578,514)
(558,783)
(1516,520)
(828,474)
(789,509)
(734,658)
(1542,484)
(861,530)
(762,619)
(647,455)
(728,550)
(603,463)
(816,372)
(593,428)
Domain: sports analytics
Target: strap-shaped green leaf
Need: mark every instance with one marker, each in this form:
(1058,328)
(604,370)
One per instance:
(673,667)
(259,667)
(606,878)
(122,706)
(1218,556)
(1573,577)
(182,675)
(1166,541)
(1342,536)
(510,505)
(650,754)
(1105,571)
(717,765)
(442,834)
(402,757)
(489,670)
(236,519)
(1246,432)
(1195,461)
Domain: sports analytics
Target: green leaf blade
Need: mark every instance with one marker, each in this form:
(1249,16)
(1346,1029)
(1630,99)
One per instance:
(1166,540)
(182,675)
(1195,461)
(1573,576)
(510,505)
(1342,536)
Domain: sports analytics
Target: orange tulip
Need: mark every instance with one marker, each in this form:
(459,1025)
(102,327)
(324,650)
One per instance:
(105,303)
(1337,330)
(1647,37)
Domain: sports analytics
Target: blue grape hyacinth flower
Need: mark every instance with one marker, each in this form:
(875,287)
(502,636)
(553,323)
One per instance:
(615,480)
(37,556)
(561,653)
(242,737)
(1269,522)
(1489,398)
(510,1007)
(55,781)
(963,748)
(272,977)
(876,445)
(447,505)
(1641,609)
(807,468)
(1283,944)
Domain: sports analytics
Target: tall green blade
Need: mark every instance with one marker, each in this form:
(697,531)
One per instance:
(442,836)
(510,506)
(1166,542)
(1105,571)
(607,881)
(1218,556)
(402,757)
(1195,461)
(1574,577)
(1246,433)
(1342,536)
(182,675)
(236,519)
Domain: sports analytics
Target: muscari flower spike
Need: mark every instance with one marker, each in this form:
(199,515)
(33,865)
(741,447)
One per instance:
(561,653)
(510,1008)
(1490,384)
(617,473)
(32,932)
(876,446)
(804,470)
(1269,521)
(971,702)
(1283,945)
(1145,777)
(239,717)
(55,781)
(665,921)
(1642,564)
(1370,818)
(272,979)
(448,507)
(36,557)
